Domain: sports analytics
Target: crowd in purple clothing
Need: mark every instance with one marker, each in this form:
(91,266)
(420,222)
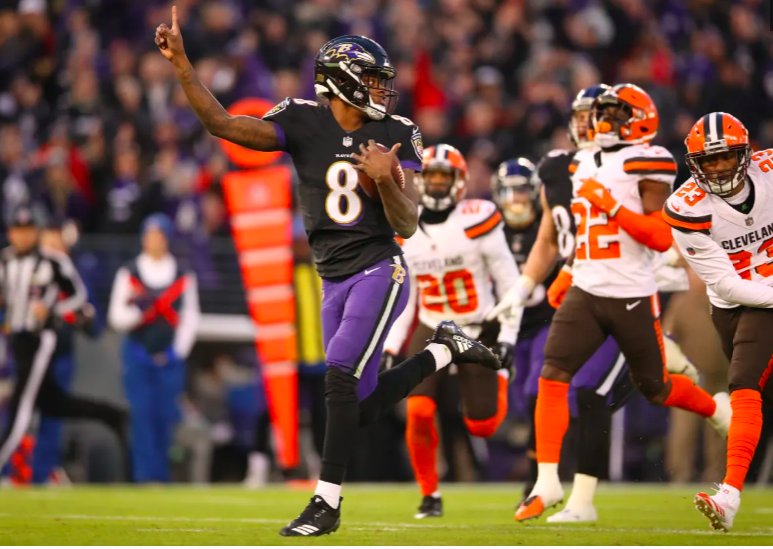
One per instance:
(95,128)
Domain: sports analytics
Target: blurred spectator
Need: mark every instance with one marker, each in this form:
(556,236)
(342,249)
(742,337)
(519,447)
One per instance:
(155,303)
(60,197)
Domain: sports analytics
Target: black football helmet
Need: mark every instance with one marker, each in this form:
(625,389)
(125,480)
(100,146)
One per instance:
(350,67)
(515,189)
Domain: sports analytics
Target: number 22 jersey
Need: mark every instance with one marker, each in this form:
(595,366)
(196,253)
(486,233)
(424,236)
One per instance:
(608,261)
(347,231)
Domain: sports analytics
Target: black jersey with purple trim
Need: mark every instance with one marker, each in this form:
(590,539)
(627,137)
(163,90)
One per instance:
(347,231)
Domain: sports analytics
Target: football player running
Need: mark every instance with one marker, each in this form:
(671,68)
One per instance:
(454,256)
(722,221)
(602,385)
(619,188)
(350,234)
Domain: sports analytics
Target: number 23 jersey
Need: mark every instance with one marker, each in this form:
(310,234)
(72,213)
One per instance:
(608,261)
(728,248)
(347,231)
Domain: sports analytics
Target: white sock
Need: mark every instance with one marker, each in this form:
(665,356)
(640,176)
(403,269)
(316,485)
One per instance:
(441,353)
(330,492)
(505,373)
(547,478)
(435,494)
(583,490)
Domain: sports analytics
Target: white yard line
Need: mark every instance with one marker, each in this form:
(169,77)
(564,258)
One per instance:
(394,526)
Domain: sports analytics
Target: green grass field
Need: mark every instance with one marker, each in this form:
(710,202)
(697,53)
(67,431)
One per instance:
(373,515)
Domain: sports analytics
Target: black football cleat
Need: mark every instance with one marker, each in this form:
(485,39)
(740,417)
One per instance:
(430,507)
(464,349)
(316,520)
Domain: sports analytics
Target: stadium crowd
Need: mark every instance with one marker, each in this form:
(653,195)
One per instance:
(95,130)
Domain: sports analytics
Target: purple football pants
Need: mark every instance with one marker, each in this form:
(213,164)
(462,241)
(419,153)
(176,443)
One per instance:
(357,314)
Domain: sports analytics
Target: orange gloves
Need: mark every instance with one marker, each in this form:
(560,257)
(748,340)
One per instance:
(595,193)
(560,286)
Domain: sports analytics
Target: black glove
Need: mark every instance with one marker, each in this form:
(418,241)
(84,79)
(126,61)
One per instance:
(506,353)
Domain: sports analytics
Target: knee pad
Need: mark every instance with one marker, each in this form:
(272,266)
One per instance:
(421,409)
(340,386)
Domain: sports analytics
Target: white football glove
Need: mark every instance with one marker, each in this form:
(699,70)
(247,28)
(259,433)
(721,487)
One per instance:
(509,310)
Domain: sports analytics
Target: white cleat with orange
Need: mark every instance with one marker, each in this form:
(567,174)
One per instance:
(540,500)
(720,508)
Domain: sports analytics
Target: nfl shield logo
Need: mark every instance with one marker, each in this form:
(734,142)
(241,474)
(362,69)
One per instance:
(347,141)
(749,221)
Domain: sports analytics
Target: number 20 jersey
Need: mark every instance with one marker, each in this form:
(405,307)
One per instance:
(455,265)
(347,231)
(608,261)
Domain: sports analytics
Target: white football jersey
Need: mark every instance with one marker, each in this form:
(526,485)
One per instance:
(453,267)
(731,251)
(608,261)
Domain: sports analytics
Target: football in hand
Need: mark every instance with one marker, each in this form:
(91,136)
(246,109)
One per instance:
(370,187)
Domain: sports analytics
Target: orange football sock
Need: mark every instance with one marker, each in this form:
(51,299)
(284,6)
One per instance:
(688,396)
(487,427)
(551,419)
(422,440)
(745,429)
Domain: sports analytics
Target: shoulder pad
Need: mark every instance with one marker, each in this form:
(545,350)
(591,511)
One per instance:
(479,217)
(649,160)
(688,210)
(289,101)
(402,120)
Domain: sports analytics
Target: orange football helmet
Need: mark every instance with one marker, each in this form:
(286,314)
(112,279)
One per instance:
(443,177)
(718,152)
(623,115)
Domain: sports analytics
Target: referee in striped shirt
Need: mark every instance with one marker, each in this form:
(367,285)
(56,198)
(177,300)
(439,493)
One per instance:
(38,289)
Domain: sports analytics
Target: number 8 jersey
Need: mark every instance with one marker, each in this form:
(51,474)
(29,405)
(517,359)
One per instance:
(347,231)
(608,261)
(452,265)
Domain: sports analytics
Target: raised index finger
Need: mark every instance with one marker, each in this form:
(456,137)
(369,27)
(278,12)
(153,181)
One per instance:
(174,18)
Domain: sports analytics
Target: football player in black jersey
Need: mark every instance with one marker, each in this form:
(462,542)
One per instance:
(602,385)
(351,235)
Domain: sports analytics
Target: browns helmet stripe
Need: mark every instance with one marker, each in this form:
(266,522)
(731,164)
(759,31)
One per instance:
(719,129)
(707,135)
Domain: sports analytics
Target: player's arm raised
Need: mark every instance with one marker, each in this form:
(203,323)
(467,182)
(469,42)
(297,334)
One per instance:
(246,131)
(400,205)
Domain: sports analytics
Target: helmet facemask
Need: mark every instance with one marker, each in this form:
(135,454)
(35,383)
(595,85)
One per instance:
(579,124)
(367,88)
(610,119)
(516,203)
(719,169)
(440,186)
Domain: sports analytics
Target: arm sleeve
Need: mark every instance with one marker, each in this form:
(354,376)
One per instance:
(190,313)
(411,149)
(122,316)
(713,266)
(504,271)
(69,282)
(399,332)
